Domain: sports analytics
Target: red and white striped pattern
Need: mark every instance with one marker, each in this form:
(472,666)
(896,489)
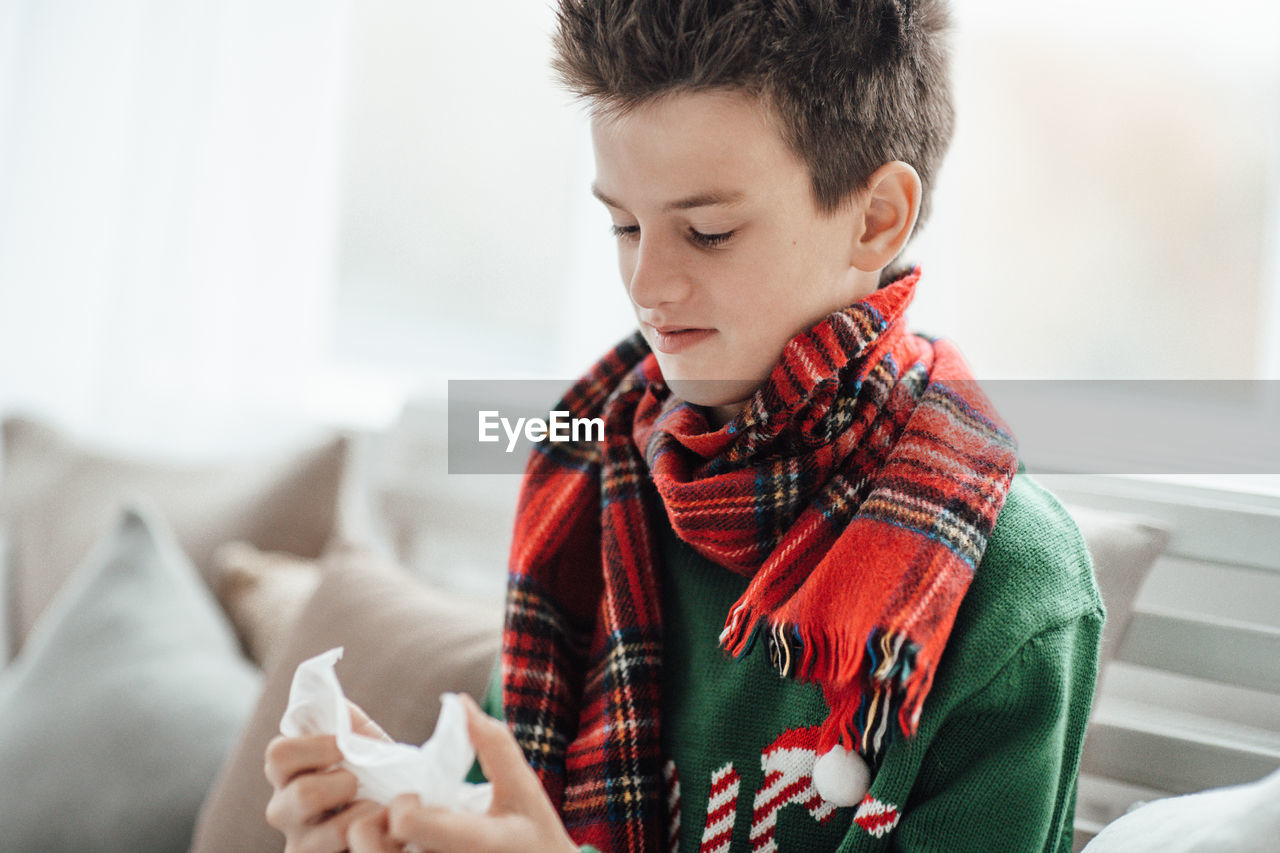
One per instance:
(722,808)
(788,778)
(875,817)
(672,779)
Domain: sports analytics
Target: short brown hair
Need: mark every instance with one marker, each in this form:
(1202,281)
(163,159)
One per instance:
(852,84)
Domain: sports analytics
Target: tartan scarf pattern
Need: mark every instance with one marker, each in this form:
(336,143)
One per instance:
(856,489)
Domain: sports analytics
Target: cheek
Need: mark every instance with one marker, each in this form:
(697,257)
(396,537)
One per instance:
(765,291)
(626,266)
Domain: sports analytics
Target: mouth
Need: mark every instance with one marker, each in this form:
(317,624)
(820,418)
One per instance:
(674,339)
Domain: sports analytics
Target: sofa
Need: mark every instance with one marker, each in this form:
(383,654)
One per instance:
(154,615)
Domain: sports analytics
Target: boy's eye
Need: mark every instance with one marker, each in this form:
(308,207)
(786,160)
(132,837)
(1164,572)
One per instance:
(709,241)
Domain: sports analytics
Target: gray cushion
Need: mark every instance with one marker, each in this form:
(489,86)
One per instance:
(118,711)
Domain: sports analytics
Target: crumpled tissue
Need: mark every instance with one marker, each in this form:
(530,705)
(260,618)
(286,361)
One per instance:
(435,771)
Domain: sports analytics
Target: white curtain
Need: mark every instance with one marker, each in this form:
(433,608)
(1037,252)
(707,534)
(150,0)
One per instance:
(169,174)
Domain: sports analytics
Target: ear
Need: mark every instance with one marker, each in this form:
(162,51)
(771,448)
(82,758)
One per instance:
(889,206)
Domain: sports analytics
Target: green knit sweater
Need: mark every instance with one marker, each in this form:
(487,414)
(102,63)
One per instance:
(993,765)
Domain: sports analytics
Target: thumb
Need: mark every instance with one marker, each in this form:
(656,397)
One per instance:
(361,724)
(501,759)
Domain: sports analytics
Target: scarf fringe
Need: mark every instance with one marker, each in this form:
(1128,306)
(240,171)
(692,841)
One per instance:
(838,604)
(874,686)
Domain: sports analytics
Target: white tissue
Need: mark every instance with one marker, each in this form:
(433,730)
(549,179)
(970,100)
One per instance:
(435,771)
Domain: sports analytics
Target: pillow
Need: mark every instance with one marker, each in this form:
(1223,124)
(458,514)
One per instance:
(263,593)
(1237,818)
(57,498)
(1124,548)
(406,643)
(117,713)
(5,602)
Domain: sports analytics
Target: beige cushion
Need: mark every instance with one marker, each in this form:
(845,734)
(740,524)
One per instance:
(1124,548)
(6,636)
(57,498)
(263,592)
(405,644)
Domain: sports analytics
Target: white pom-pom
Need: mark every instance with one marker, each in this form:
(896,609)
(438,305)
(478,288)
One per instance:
(841,777)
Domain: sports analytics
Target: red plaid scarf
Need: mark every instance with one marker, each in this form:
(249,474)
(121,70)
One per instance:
(857,490)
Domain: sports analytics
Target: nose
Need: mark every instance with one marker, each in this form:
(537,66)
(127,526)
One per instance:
(657,276)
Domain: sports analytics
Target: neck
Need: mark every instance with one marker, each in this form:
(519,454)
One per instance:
(721,415)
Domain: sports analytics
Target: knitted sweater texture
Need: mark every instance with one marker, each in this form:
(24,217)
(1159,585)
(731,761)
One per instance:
(993,766)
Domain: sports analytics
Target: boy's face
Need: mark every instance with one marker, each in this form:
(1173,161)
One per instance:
(722,250)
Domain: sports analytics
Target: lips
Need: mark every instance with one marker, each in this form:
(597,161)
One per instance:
(673,339)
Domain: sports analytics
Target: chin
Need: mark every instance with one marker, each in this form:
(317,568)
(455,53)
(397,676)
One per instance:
(712,392)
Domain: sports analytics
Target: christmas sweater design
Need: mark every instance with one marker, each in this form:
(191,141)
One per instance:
(787,767)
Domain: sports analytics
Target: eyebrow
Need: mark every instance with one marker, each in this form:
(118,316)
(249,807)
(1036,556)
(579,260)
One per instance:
(710,198)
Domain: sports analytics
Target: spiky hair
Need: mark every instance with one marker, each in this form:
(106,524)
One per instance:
(850,84)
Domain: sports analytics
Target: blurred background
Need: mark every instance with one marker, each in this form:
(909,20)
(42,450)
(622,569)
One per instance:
(219,221)
(229,224)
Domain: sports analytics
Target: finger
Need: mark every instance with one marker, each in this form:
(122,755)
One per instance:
(439,830)
(330,836)
(308,799)
(362,724)
(363,829)
(369,835)
(287,757)
(501,759)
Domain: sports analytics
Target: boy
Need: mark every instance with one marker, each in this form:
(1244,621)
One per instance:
(787,475)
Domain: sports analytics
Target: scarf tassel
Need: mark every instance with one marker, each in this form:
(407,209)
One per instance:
(875,689)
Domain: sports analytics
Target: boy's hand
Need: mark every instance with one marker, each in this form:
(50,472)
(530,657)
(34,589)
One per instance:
(313,800)
(521,818)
